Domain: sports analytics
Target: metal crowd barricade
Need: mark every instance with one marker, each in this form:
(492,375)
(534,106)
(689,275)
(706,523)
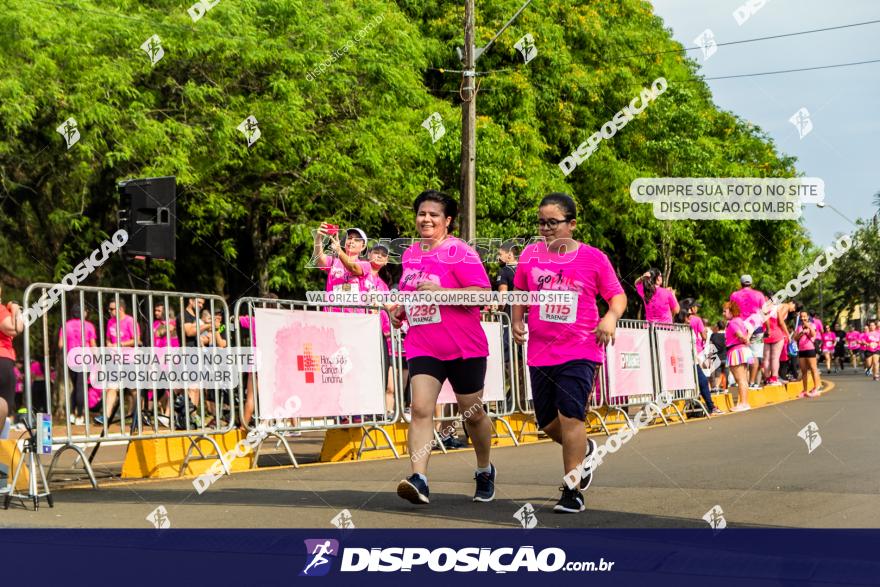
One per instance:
(496,410)
(281,428)
(690,395)
(621,403)
(141,418)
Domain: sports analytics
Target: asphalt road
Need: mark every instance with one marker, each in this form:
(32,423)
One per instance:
(753,465)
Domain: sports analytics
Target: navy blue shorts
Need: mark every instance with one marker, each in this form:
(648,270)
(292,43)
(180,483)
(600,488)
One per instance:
(562,389)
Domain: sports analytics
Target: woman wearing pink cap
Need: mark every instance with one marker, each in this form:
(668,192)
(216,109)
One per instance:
(346,271)
(443,342)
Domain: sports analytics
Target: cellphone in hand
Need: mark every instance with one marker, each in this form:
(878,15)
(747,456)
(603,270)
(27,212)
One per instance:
(332,230)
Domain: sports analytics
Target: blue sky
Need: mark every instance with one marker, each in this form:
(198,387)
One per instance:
(844,103)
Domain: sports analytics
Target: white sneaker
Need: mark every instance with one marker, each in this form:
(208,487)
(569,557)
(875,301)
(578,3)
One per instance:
(406,415)
(80,421)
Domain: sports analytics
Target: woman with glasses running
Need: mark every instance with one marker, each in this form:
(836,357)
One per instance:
(566,343)
(443,342)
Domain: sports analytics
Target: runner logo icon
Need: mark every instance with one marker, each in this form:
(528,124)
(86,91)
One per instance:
(318,561)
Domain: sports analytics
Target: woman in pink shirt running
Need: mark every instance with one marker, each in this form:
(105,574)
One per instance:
(739,355)
(443,342)
(806,336)
(660,302)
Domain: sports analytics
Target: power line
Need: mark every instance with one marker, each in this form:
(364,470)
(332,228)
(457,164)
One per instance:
(781,71)
(756,39)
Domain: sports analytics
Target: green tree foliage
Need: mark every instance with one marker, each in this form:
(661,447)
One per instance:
(346,145)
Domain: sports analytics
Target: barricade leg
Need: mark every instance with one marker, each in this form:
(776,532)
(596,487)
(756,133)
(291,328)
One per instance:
(506,424)
(81,455)
(194,443)
(376,446)
(281,440)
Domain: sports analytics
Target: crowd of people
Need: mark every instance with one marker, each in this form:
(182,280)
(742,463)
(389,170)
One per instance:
(447,343)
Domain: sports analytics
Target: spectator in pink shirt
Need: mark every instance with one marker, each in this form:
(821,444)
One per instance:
(751,303)
(121,332)
(77,333)
(739,355)
(346,271)
(660,302)
(807,335)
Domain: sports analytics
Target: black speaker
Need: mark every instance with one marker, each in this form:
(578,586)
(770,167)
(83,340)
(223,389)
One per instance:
(147,213)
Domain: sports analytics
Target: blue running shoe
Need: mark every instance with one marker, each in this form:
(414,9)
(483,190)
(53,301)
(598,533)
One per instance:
(414,490)
(485,485)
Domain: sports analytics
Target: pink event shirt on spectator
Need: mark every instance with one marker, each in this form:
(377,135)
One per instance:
(75,328)
(162,341)
(750,301)
(734,326)
(661,306)
(340,279)
(699,328)
(455,331)
(37,370)
(586,271)
(828,340)
(376,283)
(126,330)
(805,343)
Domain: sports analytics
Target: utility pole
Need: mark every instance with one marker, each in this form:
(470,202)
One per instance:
(469,119)
(469,130)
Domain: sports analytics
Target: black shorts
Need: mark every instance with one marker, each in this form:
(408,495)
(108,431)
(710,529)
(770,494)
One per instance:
(7,383)
(562,389)
(465,375)
(811,354)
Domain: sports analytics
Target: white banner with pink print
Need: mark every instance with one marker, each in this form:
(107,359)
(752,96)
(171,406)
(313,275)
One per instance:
(493,391)
(326,363)
(675,353)
(628,363)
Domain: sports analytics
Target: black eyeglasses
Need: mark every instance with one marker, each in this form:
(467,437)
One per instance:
(552,223)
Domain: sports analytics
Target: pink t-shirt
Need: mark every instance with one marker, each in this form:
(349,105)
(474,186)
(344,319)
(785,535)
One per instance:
(852,340)
(444,332)
(863,341)
(828,340)
(376,283)
(127,329)
(750,301)
(341,279)
(819,327)
(162,341)
(586,271)
(75,331)
(806,342)
(734,326)
(661,306)
(699,328)
(872,340)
